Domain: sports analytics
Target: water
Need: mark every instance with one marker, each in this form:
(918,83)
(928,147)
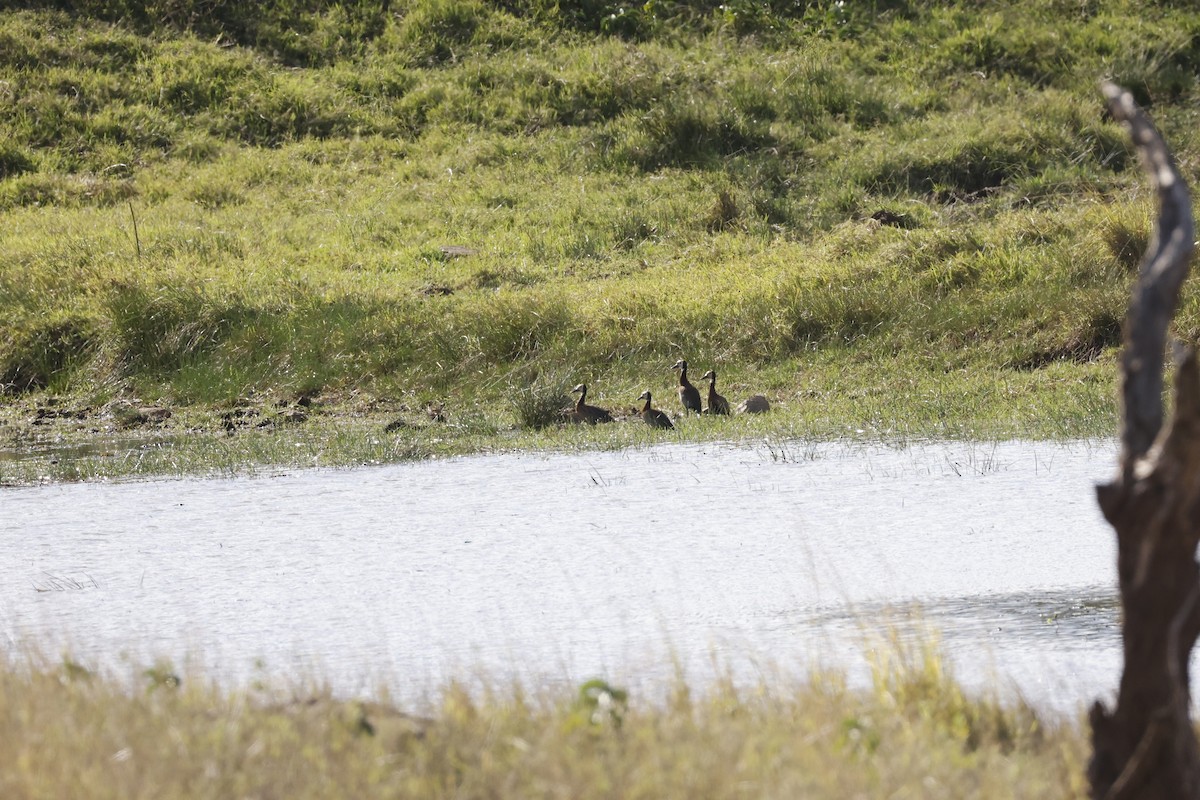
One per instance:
(753,561)
(55,450)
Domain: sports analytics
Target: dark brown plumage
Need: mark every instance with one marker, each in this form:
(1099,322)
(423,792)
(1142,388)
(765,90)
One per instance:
(653,417)
(716,403)
(689,395)
(585,413)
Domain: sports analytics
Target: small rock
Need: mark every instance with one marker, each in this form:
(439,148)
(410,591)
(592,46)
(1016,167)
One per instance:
(756,404)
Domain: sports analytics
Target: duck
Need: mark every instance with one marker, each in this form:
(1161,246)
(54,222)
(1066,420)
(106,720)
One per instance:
(653,416)
(689,395)
(755,404)
(716,403)
(582,412)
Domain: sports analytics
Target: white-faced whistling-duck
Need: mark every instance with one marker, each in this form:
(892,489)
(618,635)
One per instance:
(688,395)
(716,403)
(585,413)
(654,417)
(756,404)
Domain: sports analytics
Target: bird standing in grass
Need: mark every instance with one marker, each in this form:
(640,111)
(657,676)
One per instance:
(585,413)
(688,395)
(653,417)
(716,403)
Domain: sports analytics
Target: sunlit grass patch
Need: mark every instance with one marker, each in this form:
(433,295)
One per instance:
(465,193)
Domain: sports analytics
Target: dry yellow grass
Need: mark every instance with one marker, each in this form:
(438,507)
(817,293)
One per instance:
(67,733)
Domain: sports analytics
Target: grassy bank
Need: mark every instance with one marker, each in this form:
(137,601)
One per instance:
(70,733)
(892,216)
(68,440)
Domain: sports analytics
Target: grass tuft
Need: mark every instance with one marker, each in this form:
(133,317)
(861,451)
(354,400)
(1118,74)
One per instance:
(540,402)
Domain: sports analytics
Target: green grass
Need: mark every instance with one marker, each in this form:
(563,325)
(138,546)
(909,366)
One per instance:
(821,401)
(73,732)
(447,202)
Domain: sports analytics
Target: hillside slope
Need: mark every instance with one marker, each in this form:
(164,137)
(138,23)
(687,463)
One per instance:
(912,214)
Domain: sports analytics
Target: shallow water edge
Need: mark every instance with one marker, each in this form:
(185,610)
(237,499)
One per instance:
(633,564)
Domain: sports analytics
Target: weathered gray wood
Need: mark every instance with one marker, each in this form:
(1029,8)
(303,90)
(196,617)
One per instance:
(1156,294)
(1146,746)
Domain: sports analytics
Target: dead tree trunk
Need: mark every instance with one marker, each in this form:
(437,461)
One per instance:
(1146,747)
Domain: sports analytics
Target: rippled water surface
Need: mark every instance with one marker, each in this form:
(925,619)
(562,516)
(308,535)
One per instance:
(632,565)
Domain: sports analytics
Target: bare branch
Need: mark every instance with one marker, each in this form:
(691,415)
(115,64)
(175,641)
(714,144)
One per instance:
(1156,294)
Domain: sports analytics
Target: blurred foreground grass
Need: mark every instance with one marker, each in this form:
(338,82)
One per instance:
(67,732)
